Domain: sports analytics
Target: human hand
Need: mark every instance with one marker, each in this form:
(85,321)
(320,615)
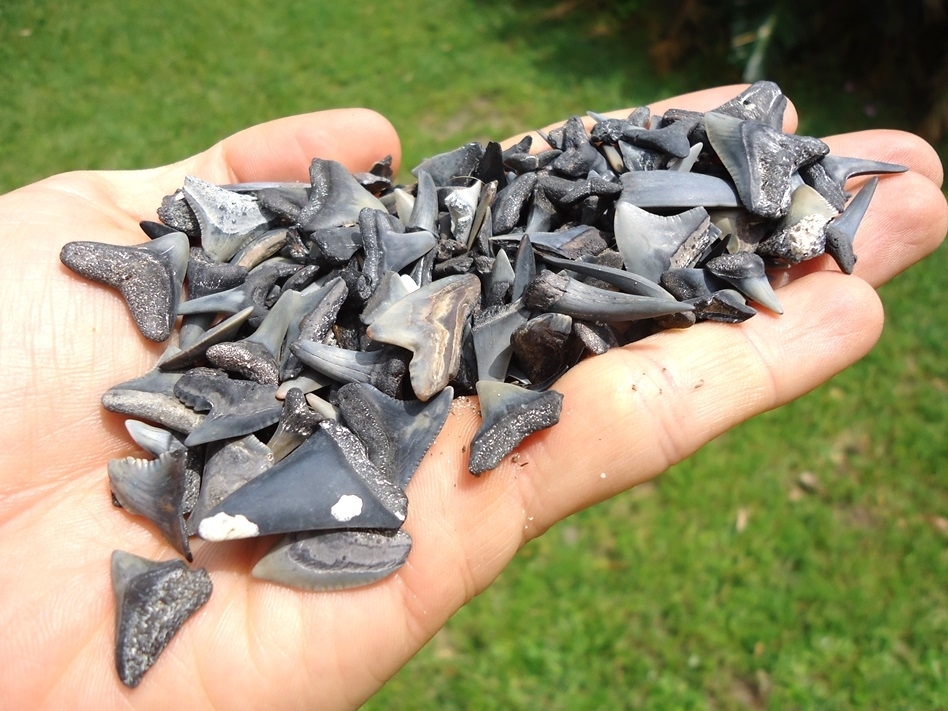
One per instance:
(65,341)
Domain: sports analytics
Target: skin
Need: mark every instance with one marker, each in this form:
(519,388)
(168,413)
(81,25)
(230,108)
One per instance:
(258,645)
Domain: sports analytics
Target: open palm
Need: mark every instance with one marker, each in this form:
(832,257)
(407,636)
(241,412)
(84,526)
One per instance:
(628,414)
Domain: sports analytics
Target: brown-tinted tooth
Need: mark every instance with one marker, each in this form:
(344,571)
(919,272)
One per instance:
(336,197)
(228,220)
(152,601)
(745,271)
(260,249)
(540,346)
(648,242)
(334,560)
(429,322)
(297,422)
(596,337)
(151,397)
(230,464)
(800,235)
(321,485)
(724,306)
(237,407)
(396,433)
(492,330)
(154,489)
(509,415)
(559,293)
(149,276)
(841,231)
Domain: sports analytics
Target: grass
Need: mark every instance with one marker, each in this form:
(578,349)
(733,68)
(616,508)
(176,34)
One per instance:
(833,598)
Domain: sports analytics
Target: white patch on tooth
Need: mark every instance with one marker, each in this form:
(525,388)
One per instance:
(347,508)
(224,527)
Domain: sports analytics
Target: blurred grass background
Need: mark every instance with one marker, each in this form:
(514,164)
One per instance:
(799,561)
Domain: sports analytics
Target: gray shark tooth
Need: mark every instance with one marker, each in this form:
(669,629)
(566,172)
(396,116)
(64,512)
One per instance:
(577,161)
(669,190)
(152,601)
(525,268)
(340,364)
(195,352)
(424,213)
(151,397)
(559,293)
(509,415)
(724,306)
(671,139)
(510,202)
(396,433)
(154,440)
(757,160)
(684,165)
(842,168)
(230,464)
(337,244)
(492,330)
(260,248)
(540,345)
(596,337)
(391,288)
(284,200)
(461,204)
(154,489)
(592,186)
(404,204)
(745,270)
(637,159)
(387,249)
(149,276)
(237,407)
(841,231)
(499,281)
(688,283)
(208,277)
(761,101)
(572,242)
(648,242)
(429,322)
(520,147)
(326,483)
(816,177)
(625,280)
(320,309)
(228,220)
(445,167)
(252,292)
(334,560)
(335,199)
(800,235)
(297,422)
(542,214)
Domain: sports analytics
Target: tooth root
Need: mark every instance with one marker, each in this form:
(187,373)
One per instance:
(297,423)
(152,601)
(334,560)
(509,415)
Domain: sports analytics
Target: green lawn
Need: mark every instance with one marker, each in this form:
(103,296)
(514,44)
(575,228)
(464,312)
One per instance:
(835,598)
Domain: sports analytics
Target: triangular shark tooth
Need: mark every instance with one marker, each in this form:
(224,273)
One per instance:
(321,485)
(800,235)
(154,489)
(149,276)
(509,414)
(461,205)
(510,202)
(336,198)
(492,330)
(297,422)
(745,270)
(228,220)
(340,364)
(334,560)
(152,601)
(669,190)
(445,167)
(396,433)
(841,231)
(648,241)
(429,322)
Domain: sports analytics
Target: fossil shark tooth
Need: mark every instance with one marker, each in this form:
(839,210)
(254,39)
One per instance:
(841,231)
(336,197)
(391,288)
(297,422)
(396,433)
(499,281)
(800,235)
(387,249)
(445,167)
(461,205)
(649,242)
(492,329)
(153,230)
(334,560)
(525,268)
(669,190)
(237,407)
(540,346)
(424,213)
(260,248)
(509,415)
(326,483)
(684,165)
(228,220)
(149,276)
(195,352)
(625,280)
(151,397)
(152,601)
(154,489)
(671,139)
(340,364)
(560,293)
(336,244)
(841,168)
(229,465)
(323,308)
(154,440)
(762,101)
(510,203)
(429,322)
(252,292)
(723,306)
(745,270)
